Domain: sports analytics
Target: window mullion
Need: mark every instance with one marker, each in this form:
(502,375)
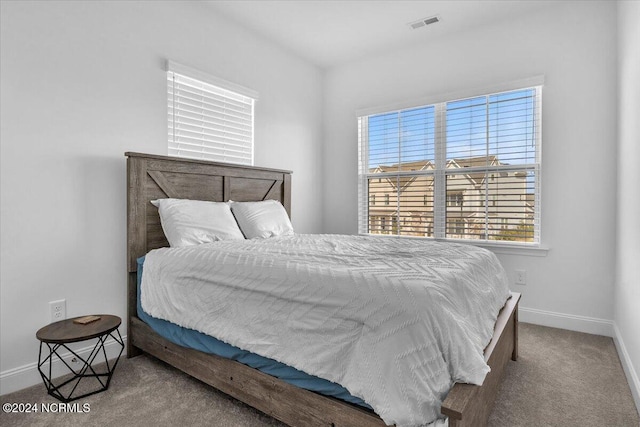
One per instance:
(486,180)
(398,189)
(439,196)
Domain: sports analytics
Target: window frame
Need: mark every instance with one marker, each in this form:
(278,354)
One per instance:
(440,203)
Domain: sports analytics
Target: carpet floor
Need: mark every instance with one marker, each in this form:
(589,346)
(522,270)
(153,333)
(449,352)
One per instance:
(562,378)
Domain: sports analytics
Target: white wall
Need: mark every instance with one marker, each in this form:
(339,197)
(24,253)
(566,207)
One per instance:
(574,46)
(627,289)
(83,82)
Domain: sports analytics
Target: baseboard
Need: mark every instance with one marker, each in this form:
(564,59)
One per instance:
(627,365)
(589,325)
(26,376)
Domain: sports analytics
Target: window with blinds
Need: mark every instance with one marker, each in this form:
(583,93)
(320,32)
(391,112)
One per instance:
(461,169)
(209,118)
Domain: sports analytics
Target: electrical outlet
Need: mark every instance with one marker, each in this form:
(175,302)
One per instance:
(521,277)
(58,310)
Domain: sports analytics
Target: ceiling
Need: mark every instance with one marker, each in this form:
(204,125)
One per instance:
(329,33)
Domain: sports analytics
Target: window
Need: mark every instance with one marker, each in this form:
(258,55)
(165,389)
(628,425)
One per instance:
(209,118)
(467,168)
(454,198)
(455,226)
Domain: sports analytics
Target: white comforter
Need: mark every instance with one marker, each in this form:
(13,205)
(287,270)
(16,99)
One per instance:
(394,321)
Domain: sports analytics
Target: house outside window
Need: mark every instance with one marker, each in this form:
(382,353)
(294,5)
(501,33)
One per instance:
(439,165)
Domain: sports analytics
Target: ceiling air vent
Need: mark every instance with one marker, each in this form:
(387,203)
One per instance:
(424,22)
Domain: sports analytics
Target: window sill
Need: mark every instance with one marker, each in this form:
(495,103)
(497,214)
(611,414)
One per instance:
(497,248)
(506,249)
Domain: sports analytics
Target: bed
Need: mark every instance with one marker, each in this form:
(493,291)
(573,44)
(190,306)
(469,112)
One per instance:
(152,177)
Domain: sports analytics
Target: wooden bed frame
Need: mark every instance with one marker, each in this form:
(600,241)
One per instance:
(150,177)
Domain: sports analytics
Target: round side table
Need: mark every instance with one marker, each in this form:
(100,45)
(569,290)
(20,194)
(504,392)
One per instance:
(56,337)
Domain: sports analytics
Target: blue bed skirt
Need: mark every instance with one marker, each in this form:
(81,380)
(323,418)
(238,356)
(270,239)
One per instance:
(196,340)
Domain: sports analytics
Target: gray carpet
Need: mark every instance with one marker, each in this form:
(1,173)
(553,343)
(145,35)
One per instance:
(562,379)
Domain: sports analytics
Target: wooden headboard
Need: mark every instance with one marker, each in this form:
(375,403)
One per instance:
(151,177)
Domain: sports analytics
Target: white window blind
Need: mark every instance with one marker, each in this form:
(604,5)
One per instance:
(460,169)
(206,120)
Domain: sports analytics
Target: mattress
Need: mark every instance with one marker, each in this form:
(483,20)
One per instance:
(190,338)
(396,322)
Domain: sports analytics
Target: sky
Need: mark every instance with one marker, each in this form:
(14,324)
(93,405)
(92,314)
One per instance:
(500,124)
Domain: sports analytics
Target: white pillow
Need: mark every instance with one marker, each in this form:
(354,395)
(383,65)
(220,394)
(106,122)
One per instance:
(260,220)
(192,222)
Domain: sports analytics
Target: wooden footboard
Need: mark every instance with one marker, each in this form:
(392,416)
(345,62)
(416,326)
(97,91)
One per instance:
(469,405)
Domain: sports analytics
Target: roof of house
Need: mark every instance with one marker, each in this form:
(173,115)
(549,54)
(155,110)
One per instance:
(403,181)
